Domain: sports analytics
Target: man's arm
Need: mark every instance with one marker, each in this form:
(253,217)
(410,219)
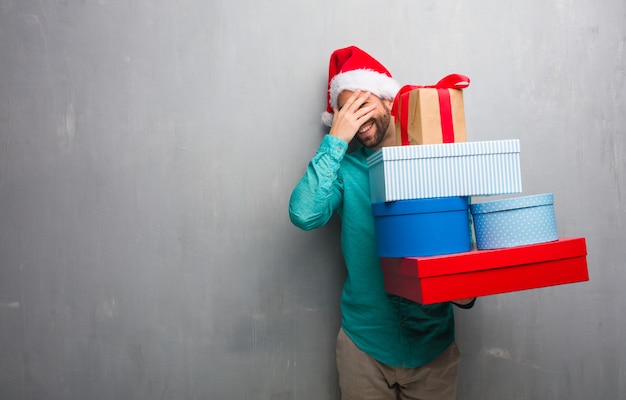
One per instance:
(319,192)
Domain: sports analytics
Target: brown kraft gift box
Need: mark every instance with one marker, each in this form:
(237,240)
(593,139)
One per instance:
(424,119)
(434,114)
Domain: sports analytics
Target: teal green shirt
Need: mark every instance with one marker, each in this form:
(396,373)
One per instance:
(392,330)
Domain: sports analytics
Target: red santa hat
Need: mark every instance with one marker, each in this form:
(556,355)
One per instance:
(353,69)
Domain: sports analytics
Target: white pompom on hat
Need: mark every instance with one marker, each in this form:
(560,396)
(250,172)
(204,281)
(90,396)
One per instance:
(353,69)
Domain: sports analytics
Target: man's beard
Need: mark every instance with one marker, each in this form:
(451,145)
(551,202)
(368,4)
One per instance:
(382,124)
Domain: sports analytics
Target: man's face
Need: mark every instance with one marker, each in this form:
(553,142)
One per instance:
(374,132)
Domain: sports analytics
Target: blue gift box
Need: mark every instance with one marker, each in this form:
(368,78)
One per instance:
(425,171)
(515,221)
(422,227)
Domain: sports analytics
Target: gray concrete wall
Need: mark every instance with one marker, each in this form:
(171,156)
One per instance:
(147,154)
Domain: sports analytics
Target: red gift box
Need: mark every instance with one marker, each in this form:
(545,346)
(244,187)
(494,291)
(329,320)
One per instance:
(429,280)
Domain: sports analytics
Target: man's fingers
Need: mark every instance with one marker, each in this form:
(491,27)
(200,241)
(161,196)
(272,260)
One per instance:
(368,109)
(352,115)
(355,101)
(359,100)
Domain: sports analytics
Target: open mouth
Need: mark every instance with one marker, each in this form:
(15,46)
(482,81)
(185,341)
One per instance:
(366,127)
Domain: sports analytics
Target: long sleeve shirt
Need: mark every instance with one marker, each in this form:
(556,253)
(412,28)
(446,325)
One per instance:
(392,330)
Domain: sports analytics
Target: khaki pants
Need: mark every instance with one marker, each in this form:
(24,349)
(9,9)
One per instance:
(363,378)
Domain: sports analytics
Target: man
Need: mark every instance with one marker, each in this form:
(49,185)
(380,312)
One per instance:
(387,347)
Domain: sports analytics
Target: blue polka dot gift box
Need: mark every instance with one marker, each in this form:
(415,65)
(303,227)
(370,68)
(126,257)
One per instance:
(514,222)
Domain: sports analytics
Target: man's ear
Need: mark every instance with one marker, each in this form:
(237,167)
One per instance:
(388,103)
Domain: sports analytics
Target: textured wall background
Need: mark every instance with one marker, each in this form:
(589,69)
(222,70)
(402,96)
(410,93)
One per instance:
(148,150)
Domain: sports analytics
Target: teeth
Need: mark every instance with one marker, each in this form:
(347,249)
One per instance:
(365,127)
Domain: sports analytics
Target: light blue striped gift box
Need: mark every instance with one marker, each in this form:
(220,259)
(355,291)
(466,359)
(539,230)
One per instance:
(442,170)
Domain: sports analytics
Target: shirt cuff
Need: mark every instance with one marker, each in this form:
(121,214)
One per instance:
(337,148)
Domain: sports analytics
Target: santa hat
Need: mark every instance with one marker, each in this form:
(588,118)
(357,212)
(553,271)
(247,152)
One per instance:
(353,69)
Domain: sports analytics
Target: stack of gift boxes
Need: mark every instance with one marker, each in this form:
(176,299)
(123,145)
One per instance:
(420,194)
